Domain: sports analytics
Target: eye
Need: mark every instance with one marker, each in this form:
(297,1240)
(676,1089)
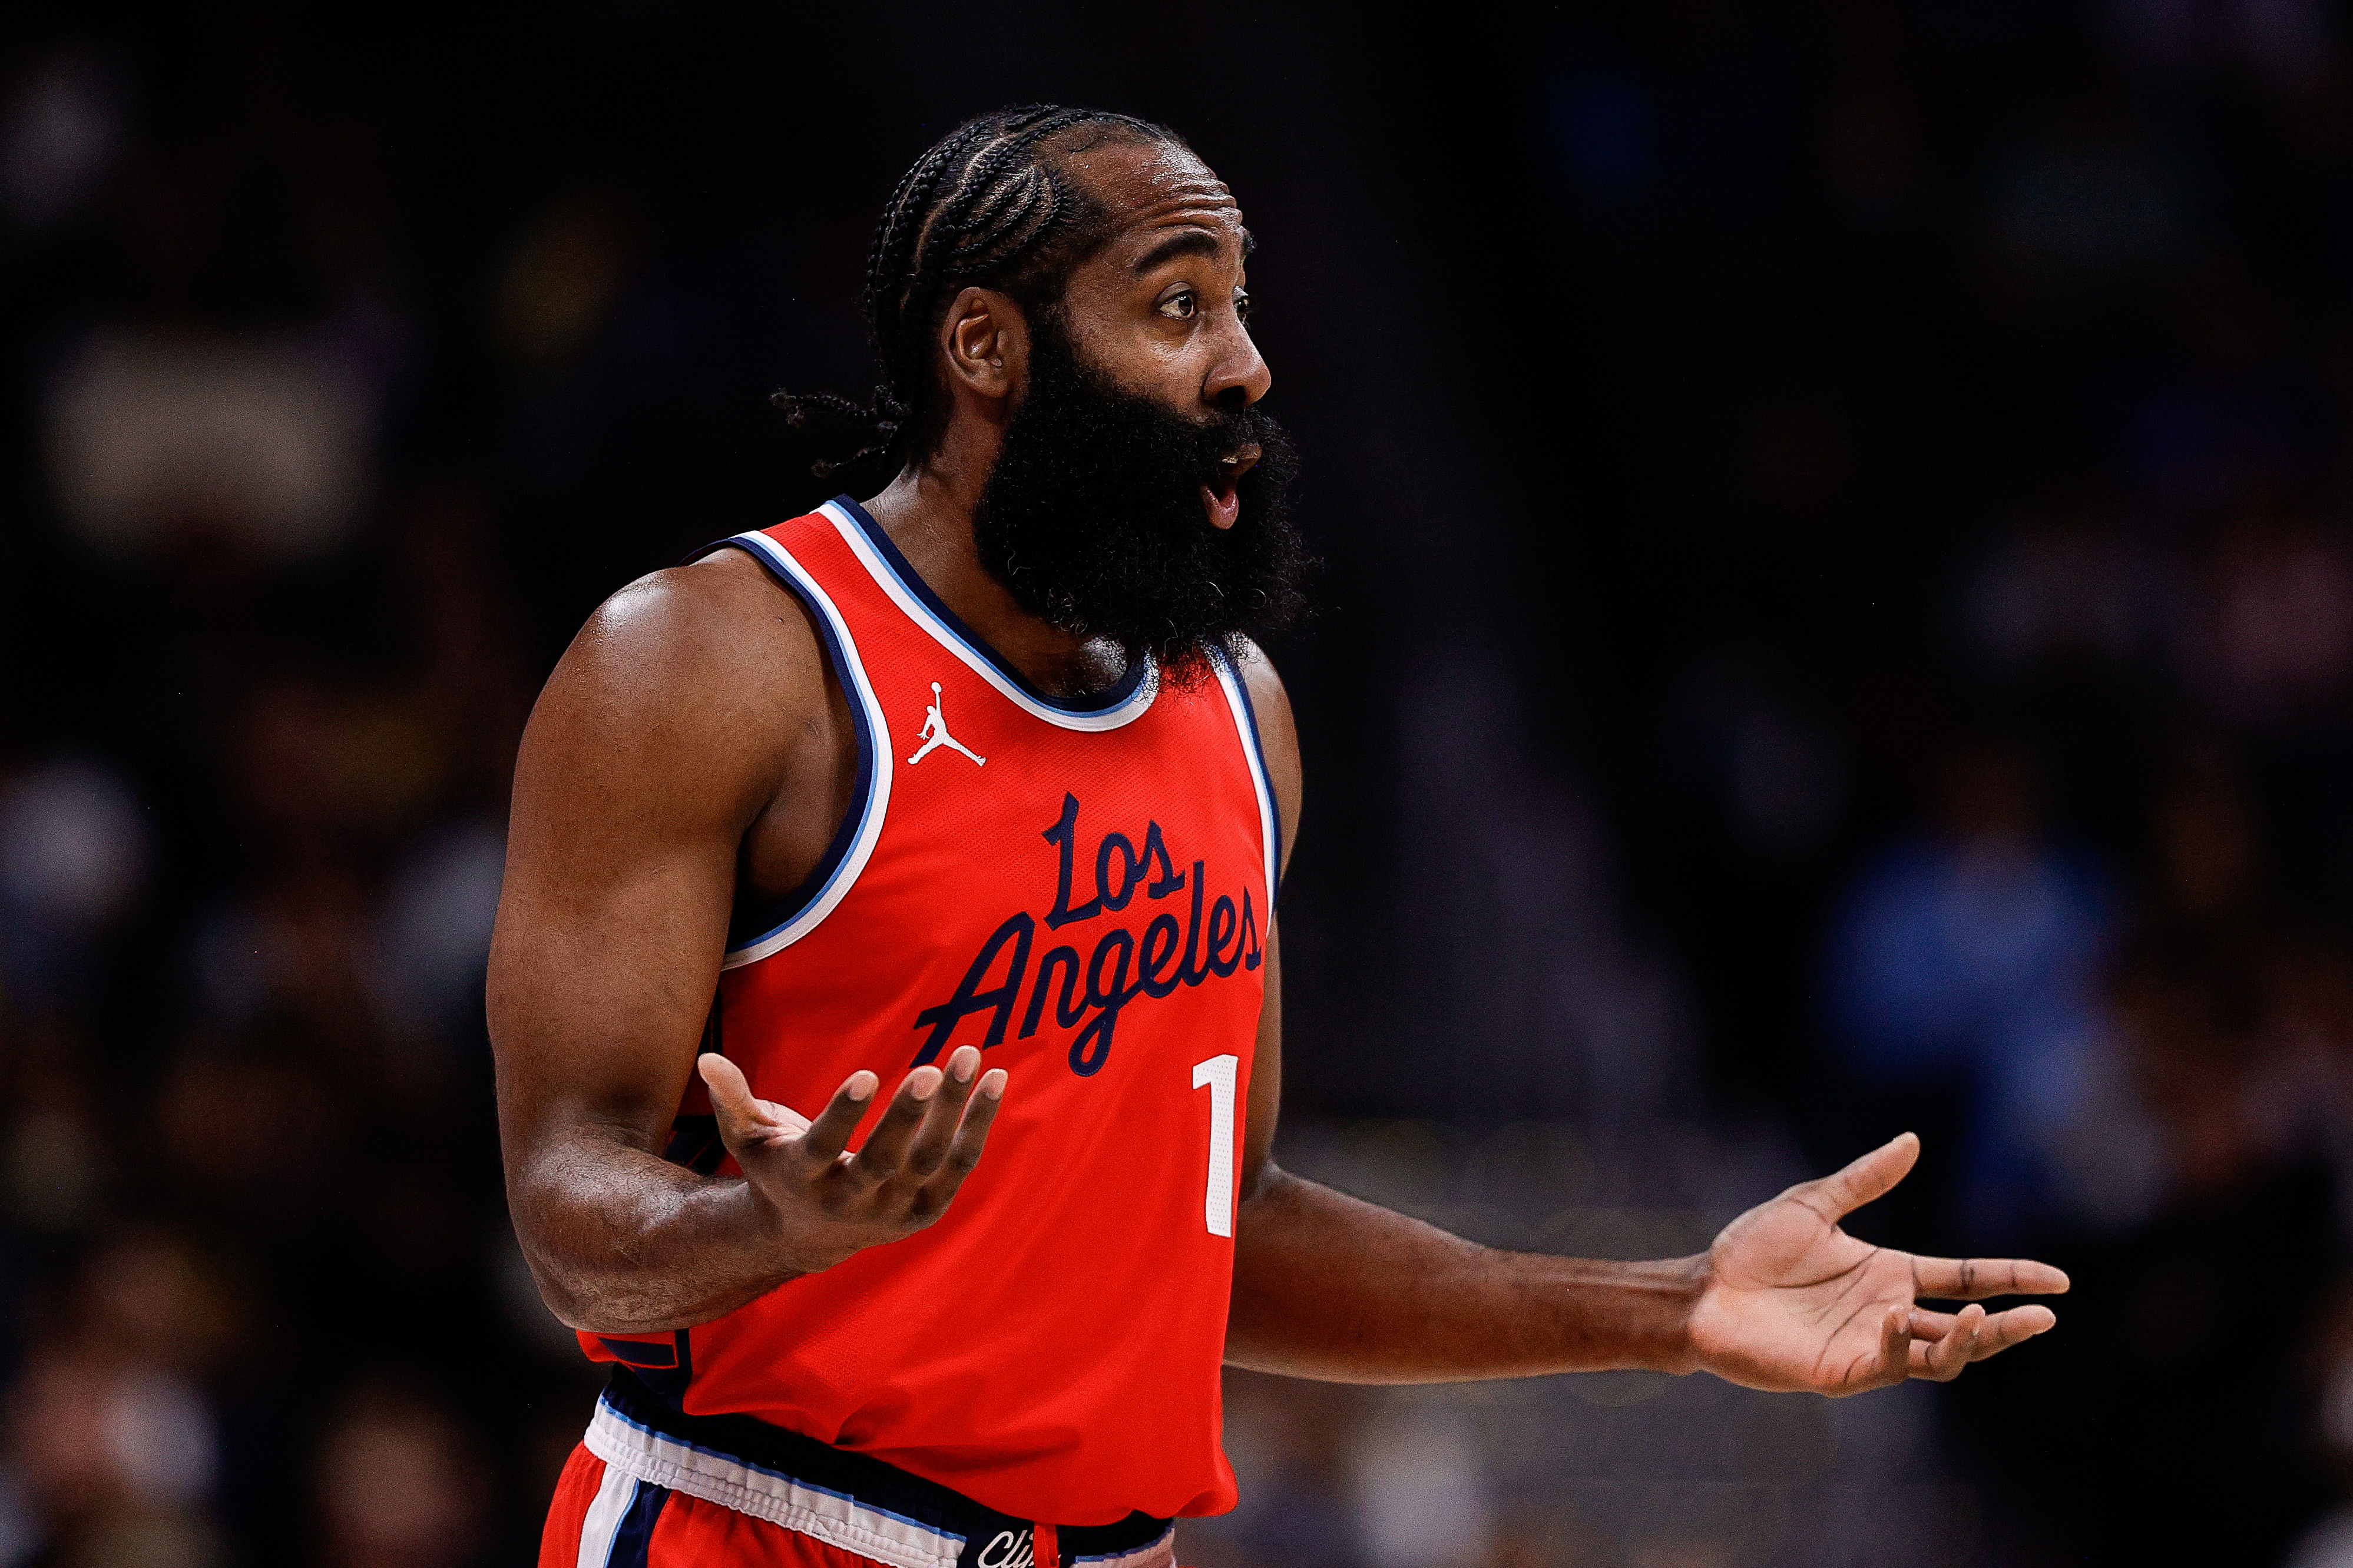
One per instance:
(1242,303)
(1181,306)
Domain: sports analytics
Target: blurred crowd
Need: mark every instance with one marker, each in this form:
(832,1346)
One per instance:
(1840,538)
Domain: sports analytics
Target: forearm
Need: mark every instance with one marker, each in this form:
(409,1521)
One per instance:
(622,1242)
(1329,1287)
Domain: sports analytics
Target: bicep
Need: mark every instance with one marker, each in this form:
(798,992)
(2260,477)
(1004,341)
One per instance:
(636,779)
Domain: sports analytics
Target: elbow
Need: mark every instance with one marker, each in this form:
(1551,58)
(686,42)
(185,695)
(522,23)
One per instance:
(1261,1182)
(570,1300)
(588,1305)
(586,1296)
(586,1274)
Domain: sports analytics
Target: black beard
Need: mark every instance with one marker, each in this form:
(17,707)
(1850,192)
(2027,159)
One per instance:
(1092,517)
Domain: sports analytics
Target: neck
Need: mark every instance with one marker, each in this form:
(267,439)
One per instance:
(927,512)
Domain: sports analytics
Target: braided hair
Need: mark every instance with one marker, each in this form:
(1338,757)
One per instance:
(989,206)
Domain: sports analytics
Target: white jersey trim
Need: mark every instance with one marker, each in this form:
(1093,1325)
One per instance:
(723,1479)
(1229,680)
(877,739)
(948,636)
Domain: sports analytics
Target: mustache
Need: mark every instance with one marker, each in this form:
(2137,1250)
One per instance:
(1094,514)
(1224,438)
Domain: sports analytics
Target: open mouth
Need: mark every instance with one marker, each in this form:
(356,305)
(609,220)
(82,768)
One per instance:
(1223,500)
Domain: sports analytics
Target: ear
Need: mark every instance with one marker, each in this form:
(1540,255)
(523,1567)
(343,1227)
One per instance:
(986,343)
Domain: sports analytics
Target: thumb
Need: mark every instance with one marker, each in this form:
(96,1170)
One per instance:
(1842,1192)
(731,1096)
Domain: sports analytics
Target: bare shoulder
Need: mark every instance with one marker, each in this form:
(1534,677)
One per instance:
(700,672)
(721,617)
(1278,733)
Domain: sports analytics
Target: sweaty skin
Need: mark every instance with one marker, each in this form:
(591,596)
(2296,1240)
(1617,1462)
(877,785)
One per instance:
(693,750)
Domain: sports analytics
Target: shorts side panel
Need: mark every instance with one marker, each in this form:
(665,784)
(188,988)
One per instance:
(577,1491)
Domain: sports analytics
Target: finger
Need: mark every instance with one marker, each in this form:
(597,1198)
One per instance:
(1974,1278)
(829,1135)
(1996,1333)
(1840,1194)
(885,1153)
(1894,1349)
(930,1149)
(1958,1347)
(972,1135)
(2014,1327)
(1931,1326)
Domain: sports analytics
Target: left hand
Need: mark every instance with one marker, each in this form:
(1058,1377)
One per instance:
(1792,1302)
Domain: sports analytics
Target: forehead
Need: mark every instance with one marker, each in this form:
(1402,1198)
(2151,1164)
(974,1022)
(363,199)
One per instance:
(1154,189)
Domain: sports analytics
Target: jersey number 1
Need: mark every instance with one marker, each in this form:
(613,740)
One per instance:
(1217,1076)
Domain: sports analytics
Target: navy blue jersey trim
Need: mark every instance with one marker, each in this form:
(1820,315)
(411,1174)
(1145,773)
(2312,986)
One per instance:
(748,928)
(1102,702)
(633,1538)
(1258,761)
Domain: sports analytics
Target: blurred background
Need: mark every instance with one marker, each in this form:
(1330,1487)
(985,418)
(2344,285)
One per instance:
(1838,618)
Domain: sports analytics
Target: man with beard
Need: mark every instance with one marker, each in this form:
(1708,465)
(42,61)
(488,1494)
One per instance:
(982,787)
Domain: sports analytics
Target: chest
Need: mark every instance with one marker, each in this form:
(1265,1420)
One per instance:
(1063,899)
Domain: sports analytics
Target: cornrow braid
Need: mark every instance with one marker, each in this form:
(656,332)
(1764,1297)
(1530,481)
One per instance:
(988,206)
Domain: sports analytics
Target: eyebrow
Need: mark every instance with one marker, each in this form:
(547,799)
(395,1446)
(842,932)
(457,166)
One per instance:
(1189,242)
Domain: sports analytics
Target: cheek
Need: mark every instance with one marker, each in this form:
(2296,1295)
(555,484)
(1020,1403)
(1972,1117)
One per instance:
(1163,366)
(1177,369)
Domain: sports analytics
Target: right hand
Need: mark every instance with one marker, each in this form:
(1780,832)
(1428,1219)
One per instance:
(828,1204)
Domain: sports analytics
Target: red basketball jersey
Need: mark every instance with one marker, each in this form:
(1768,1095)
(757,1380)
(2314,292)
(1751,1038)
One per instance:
(1082,889)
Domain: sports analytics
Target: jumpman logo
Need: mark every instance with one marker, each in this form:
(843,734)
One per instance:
(935,734)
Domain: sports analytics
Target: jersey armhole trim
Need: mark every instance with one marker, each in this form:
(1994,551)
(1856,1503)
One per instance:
(1269,814)
(829,882)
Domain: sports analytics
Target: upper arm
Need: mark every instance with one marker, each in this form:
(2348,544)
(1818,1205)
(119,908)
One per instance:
(1279,739)
(658,739)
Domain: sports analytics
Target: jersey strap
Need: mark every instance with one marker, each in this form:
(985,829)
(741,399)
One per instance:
(853,842)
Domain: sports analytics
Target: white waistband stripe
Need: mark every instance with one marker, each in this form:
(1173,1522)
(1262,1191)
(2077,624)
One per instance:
(604,1518)
(629,1450)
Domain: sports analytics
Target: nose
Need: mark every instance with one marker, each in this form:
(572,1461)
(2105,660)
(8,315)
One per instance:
(1240,377)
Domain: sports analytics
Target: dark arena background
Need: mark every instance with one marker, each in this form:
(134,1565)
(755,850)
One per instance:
(1838,618)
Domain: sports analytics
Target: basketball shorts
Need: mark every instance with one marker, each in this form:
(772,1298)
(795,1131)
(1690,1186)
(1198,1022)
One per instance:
(648,1487)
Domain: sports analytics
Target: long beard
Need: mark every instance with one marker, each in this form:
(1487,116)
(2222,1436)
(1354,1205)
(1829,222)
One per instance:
(1092,517)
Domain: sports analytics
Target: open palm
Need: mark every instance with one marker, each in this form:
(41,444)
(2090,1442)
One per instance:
(1792,1302)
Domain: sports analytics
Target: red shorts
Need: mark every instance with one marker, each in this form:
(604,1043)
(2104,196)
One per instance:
(602,1519)
(648,1487)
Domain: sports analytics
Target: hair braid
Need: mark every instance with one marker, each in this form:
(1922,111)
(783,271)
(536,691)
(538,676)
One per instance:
(984,205)
(954,233)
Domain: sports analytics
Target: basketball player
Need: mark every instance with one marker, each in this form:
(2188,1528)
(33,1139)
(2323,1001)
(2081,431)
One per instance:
(925,1244)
